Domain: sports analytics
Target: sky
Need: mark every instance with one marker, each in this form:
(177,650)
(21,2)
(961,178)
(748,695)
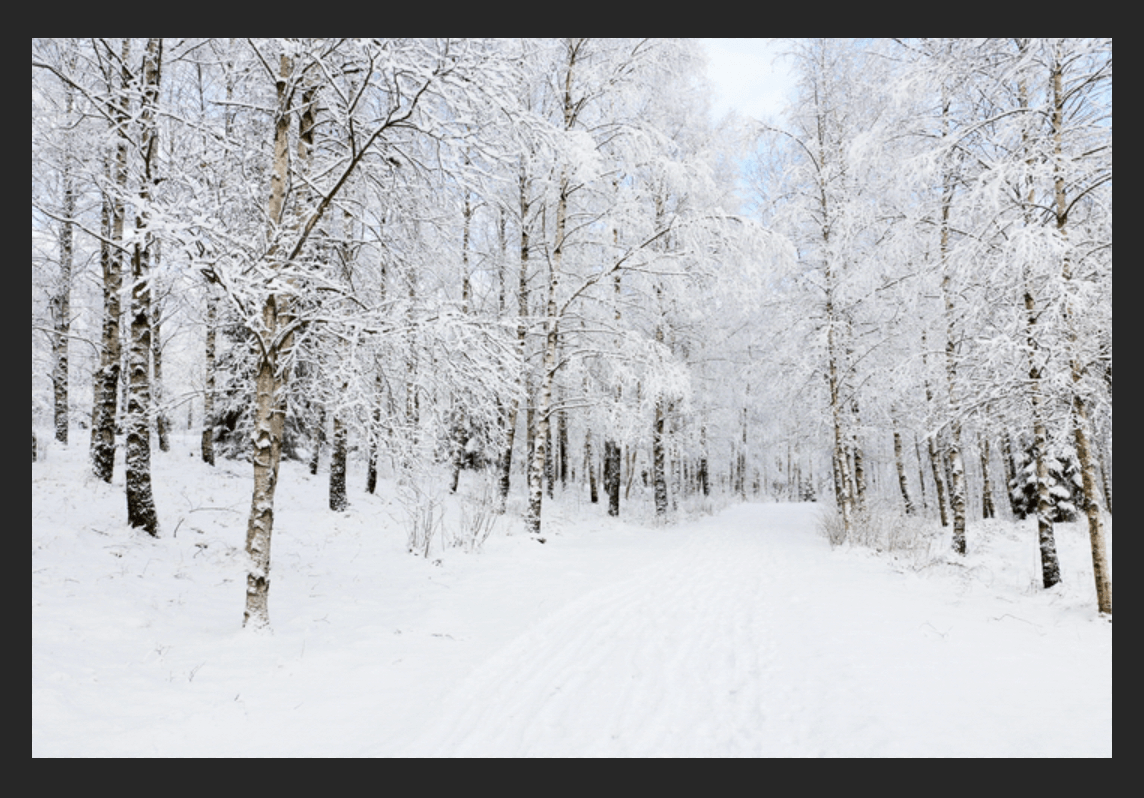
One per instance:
(748,75)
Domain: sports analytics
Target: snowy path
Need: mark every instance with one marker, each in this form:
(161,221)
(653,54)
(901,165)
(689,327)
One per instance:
(738,635)
(753,639)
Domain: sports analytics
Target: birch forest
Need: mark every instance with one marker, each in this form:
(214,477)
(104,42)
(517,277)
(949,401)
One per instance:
(542,271)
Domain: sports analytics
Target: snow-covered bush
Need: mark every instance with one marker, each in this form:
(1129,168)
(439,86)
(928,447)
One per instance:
(478,518)
(885,528)
(424,517)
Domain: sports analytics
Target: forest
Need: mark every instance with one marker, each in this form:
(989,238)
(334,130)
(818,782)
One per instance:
(541,267)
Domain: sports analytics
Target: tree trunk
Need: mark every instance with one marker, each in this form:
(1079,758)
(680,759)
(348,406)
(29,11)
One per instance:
(548,371)
(659,470)
(957,487)
(703,475)
(612,477)
(590,468)
(61,300)
(104,413)
(1050,566)
(841,465)
(939,481)
(1010,472)
(1106,481)
(522,350)
(270,382)
(987,508)
(552,337)
(549,466)
(318,440)
(375,432)
(208,452)
(562,447)
(1100,568)
(162,422)
(338,502)
(140,500)
(921,473)
(903,485)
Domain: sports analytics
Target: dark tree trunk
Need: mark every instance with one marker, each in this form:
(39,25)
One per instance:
(549,465)
(590,468)
(208,452)
(562,447)
(612,477)
(318,438)
(338,501)
(987,508)
(162,422)
(659,461)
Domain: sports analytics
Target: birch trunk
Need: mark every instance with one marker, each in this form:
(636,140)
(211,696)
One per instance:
(987,508)
(659,464)
(61,301)
(590,468)
(375,430)
(270,382)
(1106,481)
(1046,541)
(921,473)
(859,464)
(841,466)
(704,477)
(210,354)
(162,422)
(903,484)
(140,500)
(111,261)
(1010,472)
(318,439)
(338,501)
(552,337)
(547,376)
(1101,573)
(957,487)
(612,477)
(562,447)
(612,451)
(522,345)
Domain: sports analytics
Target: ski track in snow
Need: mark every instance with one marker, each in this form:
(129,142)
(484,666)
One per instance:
(617,671)
(727,647)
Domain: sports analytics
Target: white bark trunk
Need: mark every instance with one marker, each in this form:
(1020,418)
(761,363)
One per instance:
(140,500)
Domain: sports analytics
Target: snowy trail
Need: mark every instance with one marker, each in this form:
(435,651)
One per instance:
(753,639)
(738,635)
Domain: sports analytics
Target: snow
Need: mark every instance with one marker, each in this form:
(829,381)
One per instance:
(738,634)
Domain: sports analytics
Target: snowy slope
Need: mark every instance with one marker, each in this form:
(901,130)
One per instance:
(738,635)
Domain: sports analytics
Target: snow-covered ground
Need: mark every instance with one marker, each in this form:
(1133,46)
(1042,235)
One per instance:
(738,634)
